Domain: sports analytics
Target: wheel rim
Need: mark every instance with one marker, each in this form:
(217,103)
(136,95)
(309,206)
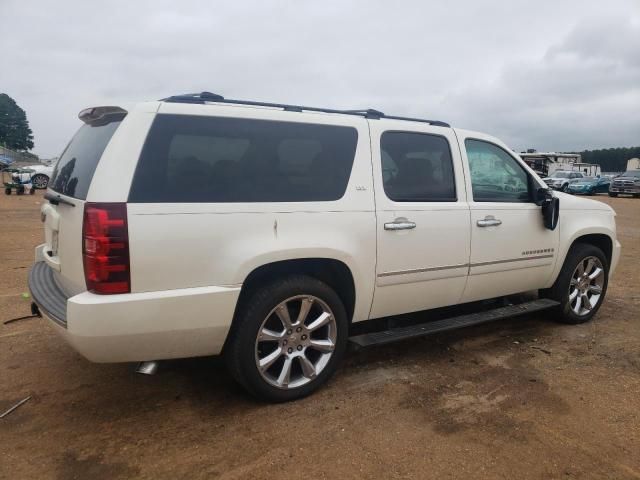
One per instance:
(295,342)
(587,283)
(39,181)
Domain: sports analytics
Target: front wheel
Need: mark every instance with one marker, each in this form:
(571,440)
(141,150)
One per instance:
(288,338)
(581,285)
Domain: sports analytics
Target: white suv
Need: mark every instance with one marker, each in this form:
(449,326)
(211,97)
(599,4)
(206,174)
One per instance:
(272,234)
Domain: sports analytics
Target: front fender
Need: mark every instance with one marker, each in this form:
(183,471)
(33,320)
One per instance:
(575,224)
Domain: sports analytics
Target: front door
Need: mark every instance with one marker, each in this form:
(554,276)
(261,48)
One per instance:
(422,218)
(511,250)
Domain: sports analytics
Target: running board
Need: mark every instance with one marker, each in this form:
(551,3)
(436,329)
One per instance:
(422,329)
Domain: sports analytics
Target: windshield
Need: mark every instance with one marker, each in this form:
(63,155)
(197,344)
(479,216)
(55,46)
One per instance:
(588,179)
(632,173)
(561,175)
(74,171)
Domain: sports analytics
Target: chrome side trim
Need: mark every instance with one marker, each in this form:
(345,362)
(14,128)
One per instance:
(537,257)
(462,265)
(422,270)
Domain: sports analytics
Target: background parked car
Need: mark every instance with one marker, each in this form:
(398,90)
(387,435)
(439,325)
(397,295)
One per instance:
(589,186)
(560,180)
(627,183)
(40,179)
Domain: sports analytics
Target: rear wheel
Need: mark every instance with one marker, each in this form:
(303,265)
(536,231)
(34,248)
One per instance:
(288,338)
(581,285)
(40,181)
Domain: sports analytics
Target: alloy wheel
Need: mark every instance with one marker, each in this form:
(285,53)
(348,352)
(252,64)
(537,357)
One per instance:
(295,342)
(40,181)
(587,283)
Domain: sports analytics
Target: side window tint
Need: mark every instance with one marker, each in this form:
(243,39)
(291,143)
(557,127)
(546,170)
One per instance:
(417,167)
(495,175)
(215,159)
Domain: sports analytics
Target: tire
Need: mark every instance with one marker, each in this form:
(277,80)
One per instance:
(611,194)
(564,188)
(40,181)
(591,258)
(281,347)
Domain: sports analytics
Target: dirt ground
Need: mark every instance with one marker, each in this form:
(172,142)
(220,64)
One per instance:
(523,398)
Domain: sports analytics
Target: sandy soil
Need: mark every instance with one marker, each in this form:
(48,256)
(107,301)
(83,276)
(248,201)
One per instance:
(524,398)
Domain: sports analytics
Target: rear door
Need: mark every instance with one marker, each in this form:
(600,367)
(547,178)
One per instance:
(511,250)
(69,186)
(422,217)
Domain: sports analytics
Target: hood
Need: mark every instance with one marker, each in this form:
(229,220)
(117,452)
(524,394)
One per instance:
(569,202)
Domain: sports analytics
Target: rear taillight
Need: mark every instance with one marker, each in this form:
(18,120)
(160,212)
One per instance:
(105,248)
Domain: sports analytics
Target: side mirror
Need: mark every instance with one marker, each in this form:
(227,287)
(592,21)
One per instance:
(550,207)
(551,213)
(542,196)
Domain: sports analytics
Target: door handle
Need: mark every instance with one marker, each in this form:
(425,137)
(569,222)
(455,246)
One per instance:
(400,224)
(489,221)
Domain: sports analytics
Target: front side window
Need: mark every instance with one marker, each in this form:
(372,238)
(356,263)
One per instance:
(417,167)
(495,175)
(227,160)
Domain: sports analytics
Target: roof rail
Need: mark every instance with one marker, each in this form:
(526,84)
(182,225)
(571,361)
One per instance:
(370,113)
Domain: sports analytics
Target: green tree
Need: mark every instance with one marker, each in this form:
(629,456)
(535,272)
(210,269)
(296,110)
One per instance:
(14,127)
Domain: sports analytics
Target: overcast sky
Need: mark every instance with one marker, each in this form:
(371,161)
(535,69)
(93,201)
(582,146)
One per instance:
(553,75)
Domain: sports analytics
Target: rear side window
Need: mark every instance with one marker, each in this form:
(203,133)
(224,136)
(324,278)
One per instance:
(215,159)
(74,171)
(417,167)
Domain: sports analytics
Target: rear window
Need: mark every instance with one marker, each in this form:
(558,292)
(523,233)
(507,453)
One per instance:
(74,171)
(214,159)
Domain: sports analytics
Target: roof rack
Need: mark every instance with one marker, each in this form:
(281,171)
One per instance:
(370,113)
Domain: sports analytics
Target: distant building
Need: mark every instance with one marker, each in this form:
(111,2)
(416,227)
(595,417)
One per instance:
(633,164)
(545,163)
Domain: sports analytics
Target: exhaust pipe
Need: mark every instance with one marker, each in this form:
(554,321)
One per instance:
(147,368)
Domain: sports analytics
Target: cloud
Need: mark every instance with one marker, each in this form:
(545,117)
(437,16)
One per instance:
(584,92)
(552,75)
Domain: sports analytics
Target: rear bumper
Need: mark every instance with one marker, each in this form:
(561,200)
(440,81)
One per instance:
(131,327)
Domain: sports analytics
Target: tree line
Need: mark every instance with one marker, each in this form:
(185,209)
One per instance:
(611,159)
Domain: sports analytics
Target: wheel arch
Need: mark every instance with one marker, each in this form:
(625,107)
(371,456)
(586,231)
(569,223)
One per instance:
(335,273)
(602,238)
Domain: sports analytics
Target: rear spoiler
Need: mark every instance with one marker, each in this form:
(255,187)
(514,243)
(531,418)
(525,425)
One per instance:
(97,116)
